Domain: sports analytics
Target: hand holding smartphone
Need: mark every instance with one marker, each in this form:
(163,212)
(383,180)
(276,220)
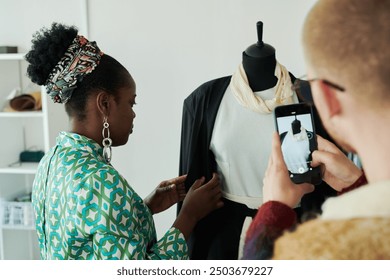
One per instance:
(296,129)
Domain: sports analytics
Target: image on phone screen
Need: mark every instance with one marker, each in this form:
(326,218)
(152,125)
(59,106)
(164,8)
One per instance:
(298,141)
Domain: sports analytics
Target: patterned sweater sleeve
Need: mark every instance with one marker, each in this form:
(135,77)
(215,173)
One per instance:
(121,224)
(272,219)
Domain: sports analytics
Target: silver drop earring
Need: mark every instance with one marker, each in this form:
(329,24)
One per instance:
(107,142)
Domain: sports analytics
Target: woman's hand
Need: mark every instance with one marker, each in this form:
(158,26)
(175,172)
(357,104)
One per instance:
(200,200)
(277,185)
(338,171)
(166,194)
(203,198)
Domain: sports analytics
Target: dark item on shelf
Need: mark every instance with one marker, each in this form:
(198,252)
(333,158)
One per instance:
(24,198)
(8,49)
(26,102)
(31,156)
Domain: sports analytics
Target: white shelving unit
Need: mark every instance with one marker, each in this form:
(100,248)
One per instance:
(21,131)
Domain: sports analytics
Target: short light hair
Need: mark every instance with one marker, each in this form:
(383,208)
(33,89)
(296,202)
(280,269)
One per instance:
(349,40)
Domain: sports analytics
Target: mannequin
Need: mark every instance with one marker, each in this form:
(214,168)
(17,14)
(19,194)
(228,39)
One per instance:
(213,117)
(296,126)
(259,60)
(296,146)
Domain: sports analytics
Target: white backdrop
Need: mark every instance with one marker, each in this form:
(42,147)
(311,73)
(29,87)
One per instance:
(170,47)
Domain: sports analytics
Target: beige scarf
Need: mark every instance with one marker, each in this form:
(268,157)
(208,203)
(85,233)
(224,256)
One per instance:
(245,96)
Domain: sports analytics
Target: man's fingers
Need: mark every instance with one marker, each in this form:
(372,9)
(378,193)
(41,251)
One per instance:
(305,188)
(317,158)
(322,157)
(325,145)
(276,151)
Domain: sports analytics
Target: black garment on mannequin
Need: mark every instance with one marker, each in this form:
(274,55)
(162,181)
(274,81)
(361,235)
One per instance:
(217,235)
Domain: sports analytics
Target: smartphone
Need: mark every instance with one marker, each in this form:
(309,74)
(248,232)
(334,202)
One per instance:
(296,129)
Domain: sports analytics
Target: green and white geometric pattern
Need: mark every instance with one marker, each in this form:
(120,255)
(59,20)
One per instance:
(85,209)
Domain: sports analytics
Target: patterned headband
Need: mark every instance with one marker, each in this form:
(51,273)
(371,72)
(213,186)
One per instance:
(80,59)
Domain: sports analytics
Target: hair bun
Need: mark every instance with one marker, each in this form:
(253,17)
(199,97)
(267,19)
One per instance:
(48,47)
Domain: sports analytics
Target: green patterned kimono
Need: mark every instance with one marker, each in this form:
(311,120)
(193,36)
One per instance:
(85,209)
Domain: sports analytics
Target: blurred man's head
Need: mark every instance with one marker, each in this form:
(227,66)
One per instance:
(347,43)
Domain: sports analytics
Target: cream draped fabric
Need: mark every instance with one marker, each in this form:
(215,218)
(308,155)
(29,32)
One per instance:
(245,96)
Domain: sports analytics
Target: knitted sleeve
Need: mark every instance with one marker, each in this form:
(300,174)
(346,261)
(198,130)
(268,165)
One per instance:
(361,181)
(269,223)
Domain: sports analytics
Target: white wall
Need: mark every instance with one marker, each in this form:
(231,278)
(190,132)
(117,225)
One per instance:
(170,47)
(19,19)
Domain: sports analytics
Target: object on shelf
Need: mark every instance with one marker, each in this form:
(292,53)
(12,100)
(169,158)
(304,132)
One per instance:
(29,99)
(15,92)
(26,102)
(16,214)
(8,49)
(24,198)
(31,156)
(28,156)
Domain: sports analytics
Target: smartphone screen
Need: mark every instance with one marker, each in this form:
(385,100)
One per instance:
(297,133)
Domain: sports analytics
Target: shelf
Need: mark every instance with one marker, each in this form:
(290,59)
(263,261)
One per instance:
(12,56)
(31,114)
(24,168)
(17,227)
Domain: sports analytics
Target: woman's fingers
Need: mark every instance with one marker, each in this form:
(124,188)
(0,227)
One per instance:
(178,180)
(198,183)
